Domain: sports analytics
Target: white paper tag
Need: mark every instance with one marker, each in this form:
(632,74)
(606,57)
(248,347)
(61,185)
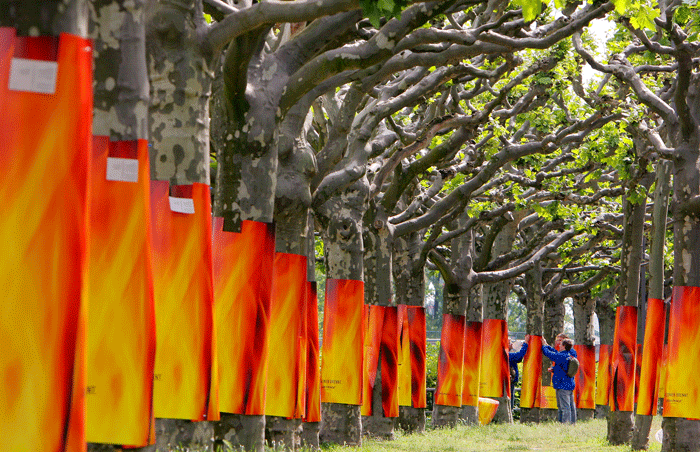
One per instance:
(181,205)
(34,76)
(120,169)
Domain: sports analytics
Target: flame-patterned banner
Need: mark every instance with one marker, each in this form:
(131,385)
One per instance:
(495,372)
(313,363)
(286,322)
(404,357)
(44,176)
(531,389)
(683,375)
(622,362)
(648,394)
(637,370)
(373,324)
(390,362)
(120,366)
(417,337)
(449,383)
(487,410)
(663,372)
(471,369)
(341,362)
(584,393)
(182,253)
(548,398)
(602,393)
(243,265)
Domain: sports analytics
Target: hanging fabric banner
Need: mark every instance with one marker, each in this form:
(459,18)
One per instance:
(584,394)
(313,363)
(548,398)
(682,398)
(418,342)
(622,360)
(495,372)
(120,295)
(602,393)
(487,410)
(45,134)
(343,344)
(471,370)
(373,323)
(287,316)
(531,388)
(449,383)
(243,265)
(404,357)
(381,349)
(662,373)
(651,360)
(184,381)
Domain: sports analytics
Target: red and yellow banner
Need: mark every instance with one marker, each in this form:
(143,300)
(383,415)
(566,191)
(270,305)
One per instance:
(343,344)
(313,362)
(417,337)
(404,357)
(652,358)
(548,398)
(381,349)
(531,388)
(683,373)
(584,394)
(602,393)
(120,365)
(44,185)
(487,410)
(184,295)
(373,323)
(622,362)
(662,373)
(495,372)
(449,383)
(287,317)
(471,369)
(243,265)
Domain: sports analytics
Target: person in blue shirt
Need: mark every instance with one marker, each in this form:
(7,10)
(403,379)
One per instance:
(562,383)
(513,359)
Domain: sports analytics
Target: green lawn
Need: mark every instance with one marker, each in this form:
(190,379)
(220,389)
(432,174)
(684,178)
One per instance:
(584,436)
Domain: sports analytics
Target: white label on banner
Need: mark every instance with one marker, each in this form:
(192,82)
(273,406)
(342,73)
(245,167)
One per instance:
(34,76)
(182,205)
(120,169)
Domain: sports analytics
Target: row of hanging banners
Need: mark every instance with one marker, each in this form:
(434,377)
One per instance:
(125,301)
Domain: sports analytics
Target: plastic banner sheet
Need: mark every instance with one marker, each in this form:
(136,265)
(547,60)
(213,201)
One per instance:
(495,372)
(313,362)
(243,265)
(487,410)
(121,328)
(531,388)
(584,394)
(287,317)
(682,398)
(343,344)
(602,392)
(185,380)
(44,176)
(471,369)
(449,383)
(622,360)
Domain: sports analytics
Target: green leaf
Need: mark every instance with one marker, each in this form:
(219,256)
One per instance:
(531,8)
(622,5)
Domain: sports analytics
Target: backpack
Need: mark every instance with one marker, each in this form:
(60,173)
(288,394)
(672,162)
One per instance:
(573,366)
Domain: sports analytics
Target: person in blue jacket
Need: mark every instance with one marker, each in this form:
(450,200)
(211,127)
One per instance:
(513,359)
(562,383)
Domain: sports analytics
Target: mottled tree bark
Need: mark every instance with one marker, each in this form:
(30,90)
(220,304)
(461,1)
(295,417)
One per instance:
(534,326)
(606,328)
(584,308)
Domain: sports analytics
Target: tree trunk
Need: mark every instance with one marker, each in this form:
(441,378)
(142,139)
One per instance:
(584,308)
(534,326)
(606,327)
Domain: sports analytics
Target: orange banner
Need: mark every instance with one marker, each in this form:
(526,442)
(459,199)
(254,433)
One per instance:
(637,370)
(602,393)
(663,372)
(243,265)
(449,383)
(531,388)
(341,363)
(313,362)
(417,337)
(381,348)
(286,321)
(548,397)
(495,372)
(487,410)
(471,369)
(683,377)
(622,368)
(404,357)
(648,395)
(373,324)
(184,295)
(44,185)
(120,366)
(584,394)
